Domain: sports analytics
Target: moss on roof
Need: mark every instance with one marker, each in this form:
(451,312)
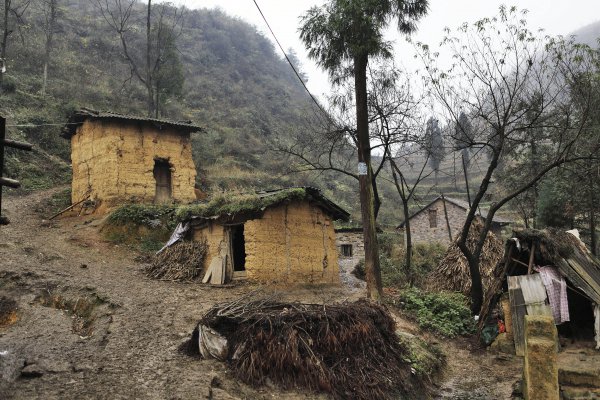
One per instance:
(228,205)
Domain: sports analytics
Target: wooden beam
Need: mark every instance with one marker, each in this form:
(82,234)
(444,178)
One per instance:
(531,256)
(10,183)
(18,145)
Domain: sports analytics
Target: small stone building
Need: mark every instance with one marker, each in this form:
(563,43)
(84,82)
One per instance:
(430,224)
(120,159)
(351,247)
(283,236)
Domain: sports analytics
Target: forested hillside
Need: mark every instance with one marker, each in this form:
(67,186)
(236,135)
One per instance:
(234,84)
(218,72)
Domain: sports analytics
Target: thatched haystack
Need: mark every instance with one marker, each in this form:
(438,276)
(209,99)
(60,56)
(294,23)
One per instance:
(453,274)
(348,350)
(183,261)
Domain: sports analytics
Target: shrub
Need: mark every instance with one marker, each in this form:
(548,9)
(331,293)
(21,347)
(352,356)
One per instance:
(149,215)
(444,313)
(146,227)
(394,272)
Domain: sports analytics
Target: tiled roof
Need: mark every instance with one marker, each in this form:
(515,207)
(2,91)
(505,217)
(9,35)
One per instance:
(77,118)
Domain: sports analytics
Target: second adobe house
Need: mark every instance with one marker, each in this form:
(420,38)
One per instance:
(119,159)
(275,236)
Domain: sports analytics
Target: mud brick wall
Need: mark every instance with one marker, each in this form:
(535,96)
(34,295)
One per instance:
(293,243)
(216,240)
(423,233)
(355,239)
(116,161)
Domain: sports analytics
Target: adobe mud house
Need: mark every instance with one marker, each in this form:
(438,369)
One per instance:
(123,159)
(284,236)
(442,219)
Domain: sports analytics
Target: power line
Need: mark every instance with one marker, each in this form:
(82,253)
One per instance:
(288,60)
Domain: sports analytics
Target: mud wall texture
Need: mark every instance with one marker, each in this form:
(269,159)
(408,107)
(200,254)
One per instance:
(293,243)
(115,161)
(216,240)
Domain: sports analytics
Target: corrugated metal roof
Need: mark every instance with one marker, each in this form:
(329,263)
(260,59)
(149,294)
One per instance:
(78,118)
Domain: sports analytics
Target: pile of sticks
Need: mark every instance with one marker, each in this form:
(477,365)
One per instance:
(349,350)
(183,261)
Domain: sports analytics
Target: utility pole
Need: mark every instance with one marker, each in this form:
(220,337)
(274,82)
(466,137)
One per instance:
(4,142)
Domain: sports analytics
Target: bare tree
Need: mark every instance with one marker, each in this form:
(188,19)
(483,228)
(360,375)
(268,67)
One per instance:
(50,9)
(12,18)
(163,24)
(513,84)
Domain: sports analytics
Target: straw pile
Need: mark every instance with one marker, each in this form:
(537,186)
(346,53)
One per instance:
(453,274)
(182,261)
(348,350)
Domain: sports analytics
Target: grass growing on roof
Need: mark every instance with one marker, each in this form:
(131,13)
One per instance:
(228,204)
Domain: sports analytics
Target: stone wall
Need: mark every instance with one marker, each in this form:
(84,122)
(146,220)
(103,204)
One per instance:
(354,239)
(115,160)
(420,224)
(293,243)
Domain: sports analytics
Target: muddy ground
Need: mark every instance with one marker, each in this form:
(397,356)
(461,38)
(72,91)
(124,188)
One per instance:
(89,324)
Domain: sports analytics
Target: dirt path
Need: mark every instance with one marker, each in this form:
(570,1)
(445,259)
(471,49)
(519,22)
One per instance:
(123,342)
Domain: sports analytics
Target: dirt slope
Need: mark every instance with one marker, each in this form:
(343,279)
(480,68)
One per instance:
(120,342)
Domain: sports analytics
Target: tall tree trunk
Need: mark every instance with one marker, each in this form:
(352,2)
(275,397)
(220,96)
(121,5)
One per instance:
(593,240)
(409,246)
(5,33)
(49,36)
(367,204)
(149,83)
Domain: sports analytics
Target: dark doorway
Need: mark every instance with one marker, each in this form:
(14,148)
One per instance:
(238,248)
(162,176)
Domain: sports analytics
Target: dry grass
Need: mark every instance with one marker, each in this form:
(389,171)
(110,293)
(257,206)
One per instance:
(8,311)
(182,261)
(348,350)
(452,273)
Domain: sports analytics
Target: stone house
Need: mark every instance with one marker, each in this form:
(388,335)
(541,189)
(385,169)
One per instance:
(430,224)
(277,236)
(120,159)
(351,247)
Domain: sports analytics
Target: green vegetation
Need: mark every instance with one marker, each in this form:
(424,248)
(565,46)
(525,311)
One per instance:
(145,227)
(444,313)
(426,359)
(227,204)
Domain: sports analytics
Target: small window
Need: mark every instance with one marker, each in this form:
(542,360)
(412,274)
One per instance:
(433,218)
(346,250)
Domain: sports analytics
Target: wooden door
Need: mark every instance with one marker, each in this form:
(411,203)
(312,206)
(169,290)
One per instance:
(162,176)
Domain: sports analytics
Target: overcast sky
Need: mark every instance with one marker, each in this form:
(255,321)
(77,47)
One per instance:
(555,17)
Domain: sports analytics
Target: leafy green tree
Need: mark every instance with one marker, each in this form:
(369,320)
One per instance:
(342,36)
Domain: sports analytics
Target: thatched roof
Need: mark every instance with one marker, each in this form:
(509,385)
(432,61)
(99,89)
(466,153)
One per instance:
(241,207)
(452,273)
(79,117)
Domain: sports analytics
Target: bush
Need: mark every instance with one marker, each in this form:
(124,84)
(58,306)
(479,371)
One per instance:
(149,215)
(394,272)
(444,313)
(145,227)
